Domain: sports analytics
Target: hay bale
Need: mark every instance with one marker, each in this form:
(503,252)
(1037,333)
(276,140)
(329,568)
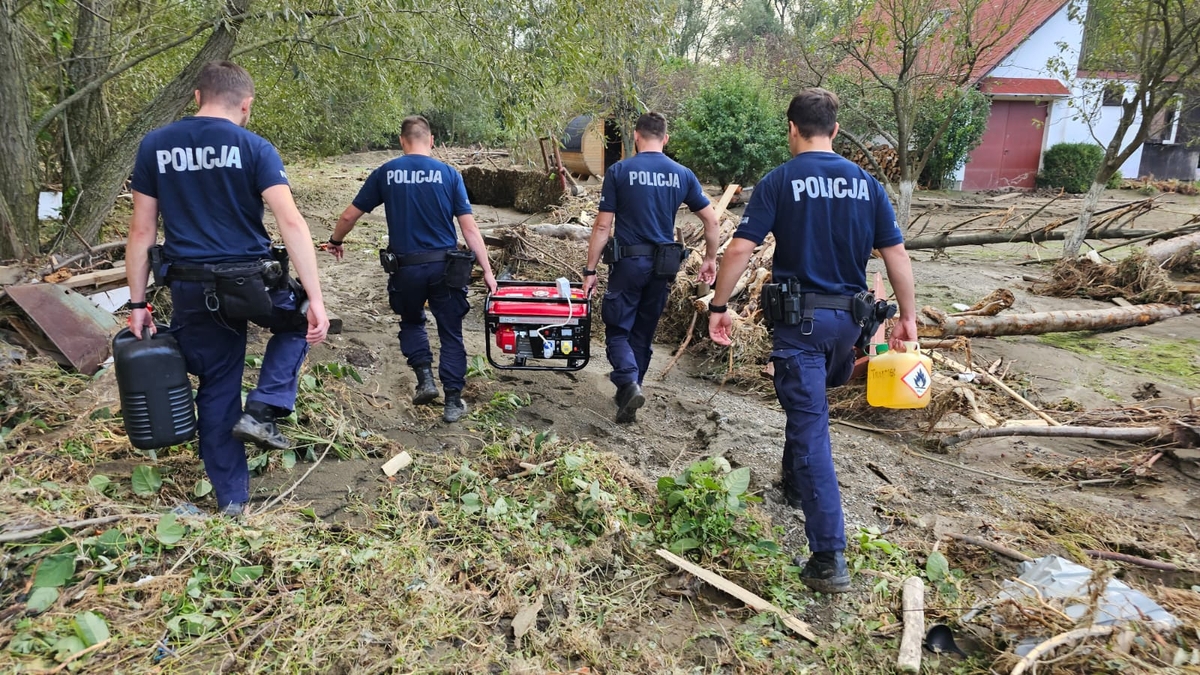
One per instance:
(526,191)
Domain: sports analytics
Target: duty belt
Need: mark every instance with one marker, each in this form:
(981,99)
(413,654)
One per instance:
(177,272)
(638,250)
(420,258)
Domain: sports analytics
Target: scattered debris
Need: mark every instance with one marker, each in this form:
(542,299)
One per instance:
(1138,279)
(913,603)
(397,463)
(65,325)
(526,618)
(526,191)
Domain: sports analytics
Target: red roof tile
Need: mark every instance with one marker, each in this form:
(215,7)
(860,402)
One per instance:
(1029,17)
(1022,86)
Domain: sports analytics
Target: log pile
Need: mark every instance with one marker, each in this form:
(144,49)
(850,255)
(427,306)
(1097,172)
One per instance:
(885,155)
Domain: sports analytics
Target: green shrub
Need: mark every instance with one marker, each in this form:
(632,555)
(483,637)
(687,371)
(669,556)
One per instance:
(968,122)
(1115,181)
(1071,166)
(733,130)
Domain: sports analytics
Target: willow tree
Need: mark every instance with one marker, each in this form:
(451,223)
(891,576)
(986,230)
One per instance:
(1147,53)
(82,81)
(902,54)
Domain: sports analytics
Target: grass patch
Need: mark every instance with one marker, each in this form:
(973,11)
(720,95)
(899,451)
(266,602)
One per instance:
(1174,360)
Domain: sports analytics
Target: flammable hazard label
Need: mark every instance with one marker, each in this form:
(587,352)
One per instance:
(918,379)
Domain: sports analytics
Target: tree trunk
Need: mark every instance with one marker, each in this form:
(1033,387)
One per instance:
(87,127)
(18,154)
(947,240)
(904,200)
(108,172)
(1131,434)
(936,324)
(1073,242)
(1179,246)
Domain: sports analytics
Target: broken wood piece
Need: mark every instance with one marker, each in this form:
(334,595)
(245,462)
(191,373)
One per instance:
(24,535)
(999,385)
(1132,435)
(913,604)
(1122,302)
(989,545)
(568,231)
(687,339)
(1004,197)
(1187,287)
(528,468)
(397,464)
(753,601)
(95,279)
(1182,247)
(1069,637)
(1133,560)
(932,322)
(995,302)
(730,190)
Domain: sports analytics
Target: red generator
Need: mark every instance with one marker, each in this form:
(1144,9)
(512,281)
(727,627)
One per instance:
(538,325)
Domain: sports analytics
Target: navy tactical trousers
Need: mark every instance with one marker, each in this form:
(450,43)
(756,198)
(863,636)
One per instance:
(215,351)
(408,290)
(804,366)
(632,306)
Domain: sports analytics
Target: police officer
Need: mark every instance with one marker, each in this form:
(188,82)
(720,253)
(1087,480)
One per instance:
(422,197)
(827,215)
(207,176)
(642,194)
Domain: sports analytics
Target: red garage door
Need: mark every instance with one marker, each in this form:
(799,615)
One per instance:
(1011,148)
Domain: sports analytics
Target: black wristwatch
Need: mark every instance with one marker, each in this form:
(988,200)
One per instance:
(139,305)
(588,273)
(717,309)
(335,242)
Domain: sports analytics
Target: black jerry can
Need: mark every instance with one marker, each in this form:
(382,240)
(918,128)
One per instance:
(156,394)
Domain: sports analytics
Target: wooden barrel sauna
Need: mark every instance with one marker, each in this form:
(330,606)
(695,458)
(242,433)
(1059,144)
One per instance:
(590,146)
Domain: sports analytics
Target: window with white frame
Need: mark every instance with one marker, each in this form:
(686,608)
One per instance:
(1166,122)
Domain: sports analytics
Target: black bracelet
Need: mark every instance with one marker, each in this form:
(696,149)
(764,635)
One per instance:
(335,242)
(589,273)
(717,309)
(138,305)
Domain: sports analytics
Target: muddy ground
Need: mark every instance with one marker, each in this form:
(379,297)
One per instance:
(688,416)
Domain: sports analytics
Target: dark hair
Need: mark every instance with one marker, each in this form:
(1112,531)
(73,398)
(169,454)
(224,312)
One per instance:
(652,125)
(224,82)
(814,112)
(414,126)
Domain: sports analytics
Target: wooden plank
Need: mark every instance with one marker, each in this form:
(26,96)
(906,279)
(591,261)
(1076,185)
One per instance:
(753,601)
(1005,197)
(1122,302)
(913,604)
(1187,286)
(730,191)
(94,279)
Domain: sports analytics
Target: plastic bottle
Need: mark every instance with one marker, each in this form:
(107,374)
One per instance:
(899,379)
(156,395)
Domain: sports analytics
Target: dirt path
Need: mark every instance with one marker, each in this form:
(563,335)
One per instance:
(687,418)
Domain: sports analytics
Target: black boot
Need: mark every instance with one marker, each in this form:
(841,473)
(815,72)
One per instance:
(257,425)
(629,398)
(426,388)
(826,572)
(455,408)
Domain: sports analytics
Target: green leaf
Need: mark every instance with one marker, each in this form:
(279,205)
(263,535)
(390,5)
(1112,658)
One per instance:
(937,568)
(241,575)
(169,531)
(353,373)
(738,481)
(572,462)
(309,513)
(100,483)
(68,646)
(55,571)
(681,546)
(202,489)
(288,459)
(41,599)
(146,481)
(675,499)
(90,628)
(665,485)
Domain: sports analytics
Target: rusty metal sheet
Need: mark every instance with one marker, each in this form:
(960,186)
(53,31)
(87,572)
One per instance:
(77,327)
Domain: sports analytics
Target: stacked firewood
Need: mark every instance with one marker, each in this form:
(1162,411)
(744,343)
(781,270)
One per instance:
(885,155)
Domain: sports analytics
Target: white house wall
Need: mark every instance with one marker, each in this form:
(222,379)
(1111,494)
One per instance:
(1061,37)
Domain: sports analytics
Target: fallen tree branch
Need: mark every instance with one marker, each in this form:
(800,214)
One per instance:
(278,498)
(1133,560)
(1132,435)
(687,340)
(934,323)
(529,468)
(1183,229)
(961,467)
(946,240)
(1071,636)
(913,603)
(945,360)
(989,545)
(23,535)
(1165,250)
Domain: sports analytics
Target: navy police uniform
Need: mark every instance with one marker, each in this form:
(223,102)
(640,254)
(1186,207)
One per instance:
(643,192)
(827,214)
(208,175)
(421,197)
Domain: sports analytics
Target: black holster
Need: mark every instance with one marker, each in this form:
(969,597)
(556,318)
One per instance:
(388,261)
(870,314)
(611,253)
(458,268)
(243,290)
(155,256)
(668,258)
